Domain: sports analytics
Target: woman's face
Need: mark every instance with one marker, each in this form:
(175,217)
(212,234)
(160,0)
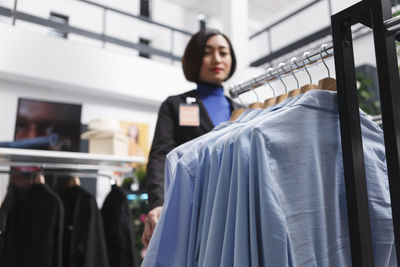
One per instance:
(217,60)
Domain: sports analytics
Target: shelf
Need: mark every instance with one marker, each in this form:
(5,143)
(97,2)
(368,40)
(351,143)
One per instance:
(66,160)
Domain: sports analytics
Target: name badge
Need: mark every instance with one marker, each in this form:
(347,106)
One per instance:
(189,115)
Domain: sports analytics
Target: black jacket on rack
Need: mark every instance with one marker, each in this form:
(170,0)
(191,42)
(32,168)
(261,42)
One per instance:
(84,242)
(31,228)
(118,226)
(168,135)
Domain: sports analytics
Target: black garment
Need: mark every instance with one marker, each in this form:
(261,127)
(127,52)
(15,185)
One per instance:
(118,226)
(31,228)
(168,135)
(84,242)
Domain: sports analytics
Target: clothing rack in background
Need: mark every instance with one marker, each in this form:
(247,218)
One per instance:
(69,216)
(309,59)
(377,15)
(60,160)
(61,163)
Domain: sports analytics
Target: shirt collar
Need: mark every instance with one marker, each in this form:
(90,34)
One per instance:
(322,99)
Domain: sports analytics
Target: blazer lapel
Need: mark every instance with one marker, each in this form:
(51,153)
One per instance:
(205,121)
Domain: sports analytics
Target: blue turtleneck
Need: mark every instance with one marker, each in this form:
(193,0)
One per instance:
(216,104)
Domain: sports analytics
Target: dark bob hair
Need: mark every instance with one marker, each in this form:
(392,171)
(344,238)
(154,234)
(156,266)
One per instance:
(194,52)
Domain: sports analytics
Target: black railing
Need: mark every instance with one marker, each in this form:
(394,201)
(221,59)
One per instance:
(276,23)
(271,55)
(142,18)
(317,35)
(15,15)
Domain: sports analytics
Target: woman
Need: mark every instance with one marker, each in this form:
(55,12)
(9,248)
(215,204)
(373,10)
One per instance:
(208,61)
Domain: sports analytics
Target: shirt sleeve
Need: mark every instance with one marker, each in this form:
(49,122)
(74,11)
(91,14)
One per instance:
(269,241)
(164,141)
(169,243)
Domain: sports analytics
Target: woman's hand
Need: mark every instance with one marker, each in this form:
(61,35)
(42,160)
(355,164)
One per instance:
(149,224)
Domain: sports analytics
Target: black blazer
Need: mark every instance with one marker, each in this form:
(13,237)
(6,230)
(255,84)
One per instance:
(31,222)
(168,135)
(84,243)
(118,227)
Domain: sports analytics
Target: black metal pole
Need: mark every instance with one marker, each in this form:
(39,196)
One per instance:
(14,13)
(389,90)
(352,150)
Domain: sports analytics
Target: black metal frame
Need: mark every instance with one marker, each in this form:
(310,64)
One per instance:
(371,13)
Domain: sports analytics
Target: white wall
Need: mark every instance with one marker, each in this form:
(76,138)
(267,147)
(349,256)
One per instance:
(90,18)
(106,82)
(295,28)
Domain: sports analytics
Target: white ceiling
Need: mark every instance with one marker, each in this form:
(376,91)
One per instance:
(263,10)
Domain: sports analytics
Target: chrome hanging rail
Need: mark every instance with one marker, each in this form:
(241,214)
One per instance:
(313,58)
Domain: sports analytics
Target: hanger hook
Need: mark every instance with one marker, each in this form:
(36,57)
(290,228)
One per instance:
(293,61)
(269,71)
(281,66)
(323,48)
(254,90)
(305,55)
(240,100)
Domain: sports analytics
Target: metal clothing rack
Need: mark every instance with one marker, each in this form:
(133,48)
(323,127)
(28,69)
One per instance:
(295,65)
(60,161)
(375,14)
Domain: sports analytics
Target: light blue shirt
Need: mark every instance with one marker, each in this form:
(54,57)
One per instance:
(174,155)
(203,188)
(171,234)
(298,200)
(216,244)
(269,191)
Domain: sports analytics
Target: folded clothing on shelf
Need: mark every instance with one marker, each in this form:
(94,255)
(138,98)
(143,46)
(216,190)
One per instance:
(41,142)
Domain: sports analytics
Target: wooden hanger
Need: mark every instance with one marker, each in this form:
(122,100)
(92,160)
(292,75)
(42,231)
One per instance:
(284,96)
(39,179)
(74,181)
(269,102)
(237,112)
(280,98)
(116,179)
(310,86)
(327,83)
(272,100)
(257,104)
(295,92)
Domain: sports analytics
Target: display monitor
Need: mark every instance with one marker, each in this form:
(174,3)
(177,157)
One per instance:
(53,125)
